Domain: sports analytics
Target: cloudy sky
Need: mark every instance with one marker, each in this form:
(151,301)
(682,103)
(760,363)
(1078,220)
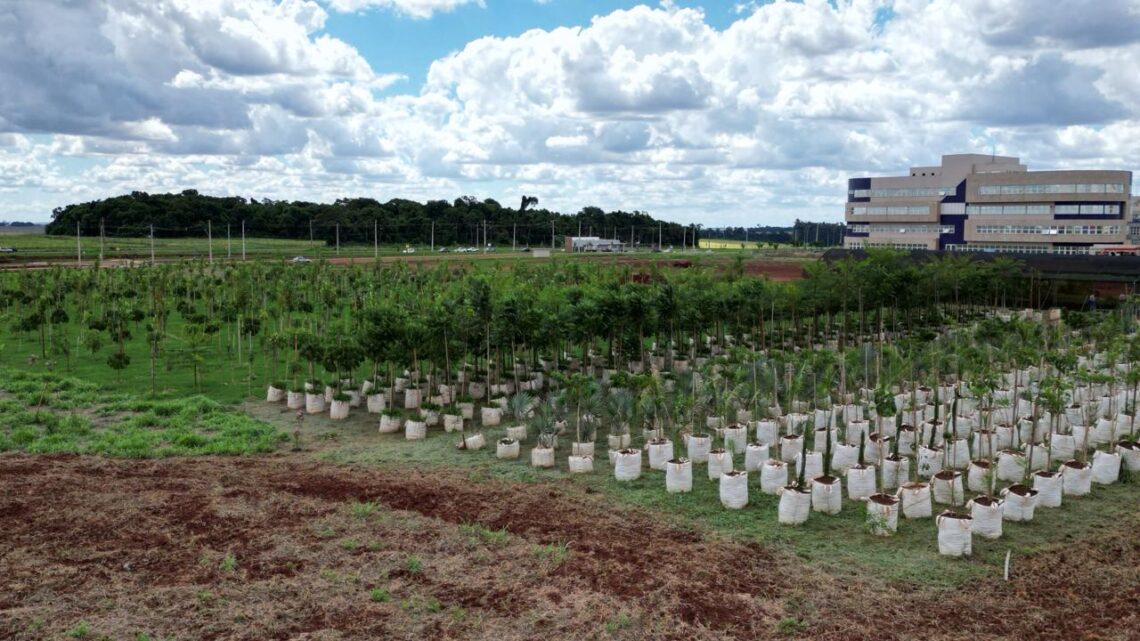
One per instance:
(709,111)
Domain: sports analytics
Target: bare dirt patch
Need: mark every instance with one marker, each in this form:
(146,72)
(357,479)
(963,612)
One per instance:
(288,548)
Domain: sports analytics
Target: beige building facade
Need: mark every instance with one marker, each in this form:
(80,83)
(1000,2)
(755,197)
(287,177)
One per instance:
(978,202)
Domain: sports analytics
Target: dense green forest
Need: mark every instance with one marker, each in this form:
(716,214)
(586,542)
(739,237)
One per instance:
(801,233)
(464,221)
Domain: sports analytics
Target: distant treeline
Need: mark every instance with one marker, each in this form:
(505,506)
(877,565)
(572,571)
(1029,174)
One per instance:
(802,233)
(358,220)
(17,223)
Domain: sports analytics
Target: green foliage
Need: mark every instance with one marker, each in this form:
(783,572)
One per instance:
(554,552)
(75,417)
(790,626)
(403,221)
(620,622)
(482,533)
(363,510)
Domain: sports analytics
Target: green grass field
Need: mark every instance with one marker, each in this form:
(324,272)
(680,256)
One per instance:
(38,245)
(48,414)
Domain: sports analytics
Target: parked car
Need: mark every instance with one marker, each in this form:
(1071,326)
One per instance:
(409,250)
(302,259)
(7,250)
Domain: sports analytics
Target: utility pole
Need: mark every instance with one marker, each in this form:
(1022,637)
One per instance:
(684,236)
(552,234)
(433,236)
(484,235)
(514,236)
(659,248)
(310,230)
(100,241)
(152,244)
(243,240)
(210,239)
(631,237)
(338,239)
(229,246)
(375,240)
(78,247)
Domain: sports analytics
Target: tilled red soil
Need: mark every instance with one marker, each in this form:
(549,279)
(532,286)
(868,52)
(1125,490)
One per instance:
(271,548)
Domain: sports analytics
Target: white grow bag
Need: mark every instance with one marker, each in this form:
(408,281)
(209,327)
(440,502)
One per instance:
(415,430)
(883,514)
(767,432)
(954,534)
(581,464)
(978,477)
(950,490)
(861,482)
(773,476)
(1011,466)
(826,497)
(794,506)
(1077,478)
(660,451)
(734,490)
(490,416)
(915,499)
(895,473)
(627,465)
(1105,467)
(720,462)
(698,448)
(987,518)
(542,457)
(679,476)
(1020,502)
(507,449)
(1049,486)
(754,456)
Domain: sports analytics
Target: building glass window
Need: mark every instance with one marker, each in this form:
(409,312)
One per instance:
(921,210)
(1050,230)
(1051,188)
(902,192)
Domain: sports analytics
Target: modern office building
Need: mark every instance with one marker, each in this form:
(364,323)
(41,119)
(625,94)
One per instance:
(1134,226)
(979,202)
